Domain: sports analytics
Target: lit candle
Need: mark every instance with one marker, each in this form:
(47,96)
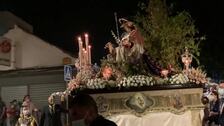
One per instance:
(84,56)
(89,55)
(86,40)
(87,44)
(80,51)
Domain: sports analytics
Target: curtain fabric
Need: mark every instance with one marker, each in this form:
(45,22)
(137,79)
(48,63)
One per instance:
(188,118)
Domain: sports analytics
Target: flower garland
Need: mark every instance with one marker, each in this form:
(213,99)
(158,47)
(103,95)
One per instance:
(136,81)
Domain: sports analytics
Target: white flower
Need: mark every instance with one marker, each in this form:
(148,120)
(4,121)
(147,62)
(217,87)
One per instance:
(141,84)
(128,82)
(119,85)
(136,85)
(101,86)
(124,84)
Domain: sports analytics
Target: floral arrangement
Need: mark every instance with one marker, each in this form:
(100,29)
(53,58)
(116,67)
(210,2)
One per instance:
(196,76)
(136,81)
(179,79)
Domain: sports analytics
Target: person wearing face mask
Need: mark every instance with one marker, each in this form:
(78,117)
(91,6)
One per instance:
(51,114)
(26,118)
(214,108)
(83,112)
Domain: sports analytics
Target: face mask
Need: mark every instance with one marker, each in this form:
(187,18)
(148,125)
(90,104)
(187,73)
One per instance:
(80,122)
(211,98)
(221,92)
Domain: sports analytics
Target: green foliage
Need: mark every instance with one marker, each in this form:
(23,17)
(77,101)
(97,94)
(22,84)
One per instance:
(167,34)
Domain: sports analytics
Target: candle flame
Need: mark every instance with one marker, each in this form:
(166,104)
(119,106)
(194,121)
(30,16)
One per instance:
(86,35)
(79,38)
(89,46)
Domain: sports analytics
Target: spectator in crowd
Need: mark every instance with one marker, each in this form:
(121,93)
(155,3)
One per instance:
(33,109)
(205,102)
(84,111)
(214,108)
(16,105)
(26,118)
(221,117)
(10,118)
(51,114)
(2,111)
(63,103)
(12,113)
(221,96)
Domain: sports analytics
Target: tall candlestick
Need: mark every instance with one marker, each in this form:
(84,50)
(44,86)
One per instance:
(84,56)
(80,52)
(89,55)
(87,44)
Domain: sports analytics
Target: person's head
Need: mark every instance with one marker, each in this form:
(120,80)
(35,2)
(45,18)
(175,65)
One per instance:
(51,100)
(9,111)
(83,107)
(204,100)
(25,104)
(25,109)
(14,102)
(128,26)
(26,98)
(214,96)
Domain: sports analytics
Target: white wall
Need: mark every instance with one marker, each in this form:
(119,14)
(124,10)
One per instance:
(31,51)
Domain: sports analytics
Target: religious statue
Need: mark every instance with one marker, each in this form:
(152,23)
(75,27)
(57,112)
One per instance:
(130,46)
(186,58)
(132,39)
(131,50)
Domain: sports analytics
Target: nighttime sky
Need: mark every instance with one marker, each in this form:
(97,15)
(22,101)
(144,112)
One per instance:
(61,21)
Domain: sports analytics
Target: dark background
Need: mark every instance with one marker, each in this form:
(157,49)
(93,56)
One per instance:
(61,21)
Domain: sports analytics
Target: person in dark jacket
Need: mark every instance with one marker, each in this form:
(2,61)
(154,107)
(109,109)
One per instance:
(205,102)
(51,114)
(83,112)
(2,111)
(214,108)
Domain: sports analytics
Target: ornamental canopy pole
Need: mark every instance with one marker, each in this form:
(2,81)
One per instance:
(115,16)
